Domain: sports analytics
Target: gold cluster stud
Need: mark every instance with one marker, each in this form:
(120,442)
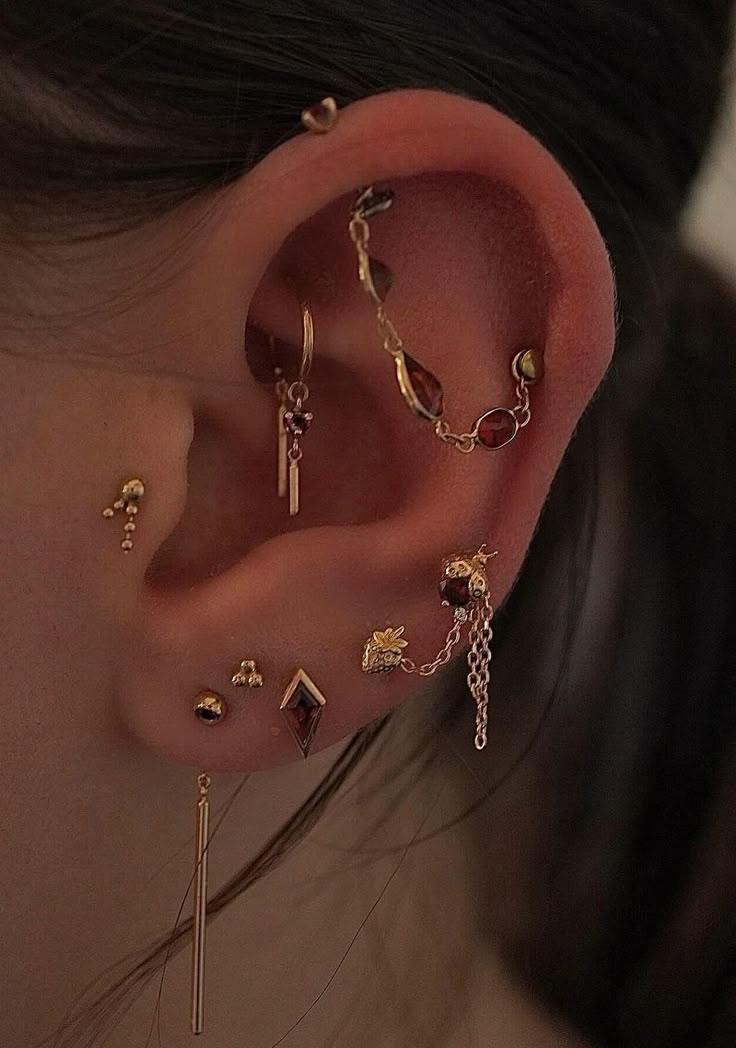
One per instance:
(131,494)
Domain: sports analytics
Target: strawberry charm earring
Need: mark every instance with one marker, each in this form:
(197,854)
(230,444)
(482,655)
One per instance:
(463,586)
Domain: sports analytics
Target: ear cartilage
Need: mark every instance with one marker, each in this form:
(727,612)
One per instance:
(321,117)
(131,493)
(422,391)
(463,585)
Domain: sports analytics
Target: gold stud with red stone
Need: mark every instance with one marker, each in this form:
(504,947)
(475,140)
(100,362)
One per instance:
(131,493)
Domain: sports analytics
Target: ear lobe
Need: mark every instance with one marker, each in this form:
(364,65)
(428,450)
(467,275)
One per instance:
(491,250)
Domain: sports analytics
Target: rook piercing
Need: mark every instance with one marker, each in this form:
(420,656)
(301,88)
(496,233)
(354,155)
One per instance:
(293,418)
(421,390)
(301,708)
(131,493)
(210,707)
(464,587)
(321,117)
(247,675)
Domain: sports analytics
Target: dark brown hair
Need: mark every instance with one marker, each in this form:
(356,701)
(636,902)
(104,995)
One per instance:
(111,113)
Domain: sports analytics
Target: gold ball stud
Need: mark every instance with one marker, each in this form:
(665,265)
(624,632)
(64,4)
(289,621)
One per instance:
(133,490)
(210,707)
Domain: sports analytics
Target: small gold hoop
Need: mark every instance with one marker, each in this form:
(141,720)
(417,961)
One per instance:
(307,342)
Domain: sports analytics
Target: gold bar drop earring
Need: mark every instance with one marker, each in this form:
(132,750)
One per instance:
(199,924)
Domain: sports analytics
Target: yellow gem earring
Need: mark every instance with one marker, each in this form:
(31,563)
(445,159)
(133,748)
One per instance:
(463,586)
(131,494)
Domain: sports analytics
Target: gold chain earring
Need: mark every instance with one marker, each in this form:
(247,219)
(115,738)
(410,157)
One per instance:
(463,586)
(293,419)
(421,390)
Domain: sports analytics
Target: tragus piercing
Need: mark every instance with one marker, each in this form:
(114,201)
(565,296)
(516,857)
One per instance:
(421,390)
(131,493)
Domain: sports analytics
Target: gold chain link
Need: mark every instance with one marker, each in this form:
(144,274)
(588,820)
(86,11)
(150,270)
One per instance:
(444,656)
(479,661)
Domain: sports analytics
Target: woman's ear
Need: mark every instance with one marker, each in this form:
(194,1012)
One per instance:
(491,250)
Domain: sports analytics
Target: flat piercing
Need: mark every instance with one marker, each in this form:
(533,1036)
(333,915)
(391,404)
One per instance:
(131,494)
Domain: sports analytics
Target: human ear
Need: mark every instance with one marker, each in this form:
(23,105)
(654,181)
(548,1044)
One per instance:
(492,250)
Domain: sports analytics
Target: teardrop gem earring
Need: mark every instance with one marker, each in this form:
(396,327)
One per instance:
(463,586)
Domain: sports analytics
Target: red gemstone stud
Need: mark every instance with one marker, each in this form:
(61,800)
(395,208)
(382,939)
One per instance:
(464,580)
(419,387)
(302,708)
(321,117)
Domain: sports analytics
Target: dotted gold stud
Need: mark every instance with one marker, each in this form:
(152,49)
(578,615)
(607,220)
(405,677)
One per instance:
(247,675)
(131,494)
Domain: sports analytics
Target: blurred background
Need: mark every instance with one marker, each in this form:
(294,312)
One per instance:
(710,223)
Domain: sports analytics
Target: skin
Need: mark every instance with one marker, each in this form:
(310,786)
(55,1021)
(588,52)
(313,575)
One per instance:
(125,358)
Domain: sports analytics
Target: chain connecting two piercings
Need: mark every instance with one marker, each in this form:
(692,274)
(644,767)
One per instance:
(464,587)
(421,390)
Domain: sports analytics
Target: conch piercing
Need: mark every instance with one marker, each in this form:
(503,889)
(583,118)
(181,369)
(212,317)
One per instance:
(247,675)
(463,585)
(420,389)
(293,419)
(321,117)
(131,493)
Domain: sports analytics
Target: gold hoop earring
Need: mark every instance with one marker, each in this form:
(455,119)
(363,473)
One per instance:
(293,419)
(421,390)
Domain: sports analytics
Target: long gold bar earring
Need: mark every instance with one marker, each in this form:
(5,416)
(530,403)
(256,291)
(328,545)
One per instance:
(199,923)
(296,419)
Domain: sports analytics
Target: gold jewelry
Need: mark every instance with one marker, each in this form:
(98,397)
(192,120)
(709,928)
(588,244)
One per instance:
(464,587)
(131,492)
(420,389)
(199,918)
(321,117)
(210,707)
(293,420)
(247,675)
(301,708)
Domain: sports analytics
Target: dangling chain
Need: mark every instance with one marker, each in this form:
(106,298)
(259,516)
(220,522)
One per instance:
(479,660)
(479,663)
(444,656)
